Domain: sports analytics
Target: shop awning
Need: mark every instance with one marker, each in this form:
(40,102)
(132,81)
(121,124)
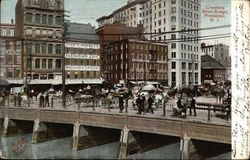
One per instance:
(153,83)
(84,81)
(15,81)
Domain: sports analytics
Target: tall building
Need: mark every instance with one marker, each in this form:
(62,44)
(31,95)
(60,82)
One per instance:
(135,60)
(158,18)
(39,23)
(8,30)
(82,55)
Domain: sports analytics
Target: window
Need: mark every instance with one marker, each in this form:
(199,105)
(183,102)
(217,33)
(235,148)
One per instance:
(173,54)
(58,34)
(18,59)
(58,20)
(58,49)
(189,66)
(44,33)
(38,32)
(10,72)
(50,34)
(173,1)
(58,63)
(87,61)
(28,63)
(50,20)
(173,79)
(173,45)
(37,48)
(50,63)
(51,76)
(38,19)
(88,74)
(28,32)
(28,48)
(183,78)
(18,72)
(173,10)
(94,74)
(183,64)
(173,36)
(44,63)
(81,62)
(173,65)
(37,63)
(10,59)
(196,66)
(75,61)
(44,19)
(44,49)
(95,63)
(50,48)
(28,17)
(173,19)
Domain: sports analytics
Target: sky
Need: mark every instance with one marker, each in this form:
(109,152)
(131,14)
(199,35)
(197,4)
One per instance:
(87,11)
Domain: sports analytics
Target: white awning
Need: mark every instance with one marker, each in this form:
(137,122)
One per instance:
(138,82)
(84,81)
(15,81)
(41,81)
(153,83)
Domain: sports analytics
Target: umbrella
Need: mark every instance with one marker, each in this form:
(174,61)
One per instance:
(51,90)
(3,82)
(149,87)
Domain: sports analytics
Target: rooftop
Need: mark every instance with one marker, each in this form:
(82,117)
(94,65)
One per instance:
(208,62)
(82,33)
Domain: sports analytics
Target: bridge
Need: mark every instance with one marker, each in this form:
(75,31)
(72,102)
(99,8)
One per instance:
(186,129)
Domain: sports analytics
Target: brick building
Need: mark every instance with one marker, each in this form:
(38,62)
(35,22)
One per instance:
(211,70)
(39,23)
(82,55)
(8,30)
(135,60)
(115,32)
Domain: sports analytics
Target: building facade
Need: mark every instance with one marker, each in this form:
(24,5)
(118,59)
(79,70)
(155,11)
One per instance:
(11,59)
(39,24)
(135,60)
(158,17)
(8,30)
(212,70)
(82,55)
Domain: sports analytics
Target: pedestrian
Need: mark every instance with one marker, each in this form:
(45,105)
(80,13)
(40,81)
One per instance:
(47,99)
(121,103)
(41,100)
(192,106)
(181,107)
(150,104)
(15,99)
(138,103)
(143,101)
(19,99)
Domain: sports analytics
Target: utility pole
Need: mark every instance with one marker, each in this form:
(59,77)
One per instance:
(63,65)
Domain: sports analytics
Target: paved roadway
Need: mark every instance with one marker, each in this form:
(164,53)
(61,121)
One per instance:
(202,115)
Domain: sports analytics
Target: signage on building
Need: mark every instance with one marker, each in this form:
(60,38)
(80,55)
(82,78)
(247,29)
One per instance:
(82,68)
(9,65)
(82,56)
(82,45)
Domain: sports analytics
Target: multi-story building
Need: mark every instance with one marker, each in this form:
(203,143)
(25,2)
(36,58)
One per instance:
(135,60)
(11,60)
(114,32)
(8,30)
(39,23)
(158,18)
(82,55)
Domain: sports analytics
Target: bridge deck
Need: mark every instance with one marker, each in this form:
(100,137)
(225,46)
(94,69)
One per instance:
(217,129)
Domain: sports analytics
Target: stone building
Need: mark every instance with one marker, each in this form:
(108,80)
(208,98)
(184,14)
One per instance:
(82,55)
(39,24)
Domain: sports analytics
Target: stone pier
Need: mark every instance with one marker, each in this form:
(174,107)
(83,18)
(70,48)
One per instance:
(123,149)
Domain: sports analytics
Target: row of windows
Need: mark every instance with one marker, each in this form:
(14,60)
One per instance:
(190,5)
(190,14)
(7,32)
(10,59)
(10,72)
(81,62)
(81,74)
(189,56)
(44,33)
(189,22)
(43,19)
(185,47)
(140,65)
(183,66)
(143,56)
(44,63)
(81,50)
(10,45)
(140,75)
(44,48)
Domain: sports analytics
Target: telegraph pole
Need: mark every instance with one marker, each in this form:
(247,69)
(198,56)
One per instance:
(63,65)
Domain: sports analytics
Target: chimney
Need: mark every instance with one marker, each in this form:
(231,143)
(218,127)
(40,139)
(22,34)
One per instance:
(12,21)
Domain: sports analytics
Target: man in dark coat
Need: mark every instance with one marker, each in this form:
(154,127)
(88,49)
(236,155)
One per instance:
(150,104)
(19,99)
(121,103)
(138,103)
(192,106)
(143,103)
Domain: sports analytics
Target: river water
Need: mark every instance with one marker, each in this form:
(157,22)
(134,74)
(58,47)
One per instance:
(20,147)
